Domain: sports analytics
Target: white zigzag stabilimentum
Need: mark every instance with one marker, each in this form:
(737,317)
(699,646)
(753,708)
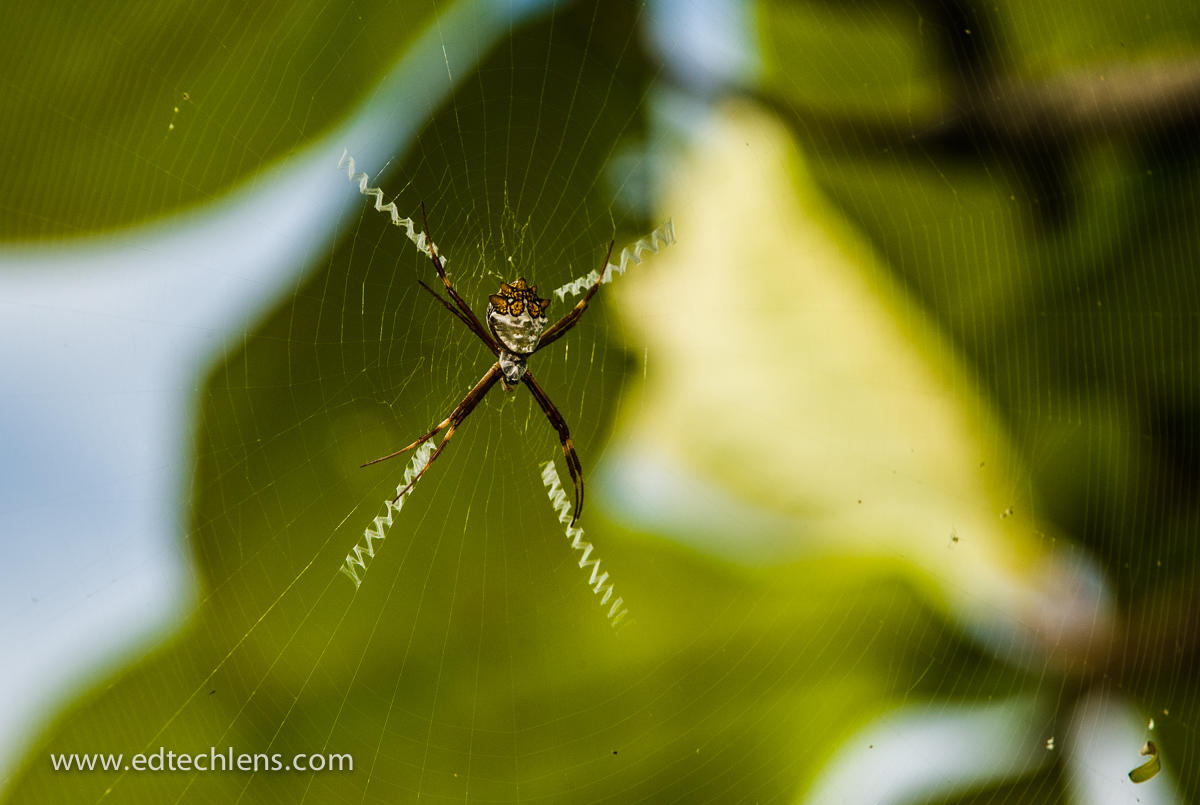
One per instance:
(355,563)
(598,581)
(657,240)
(407,224)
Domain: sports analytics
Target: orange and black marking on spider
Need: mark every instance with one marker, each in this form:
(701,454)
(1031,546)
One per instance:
(513,299)
(516,328)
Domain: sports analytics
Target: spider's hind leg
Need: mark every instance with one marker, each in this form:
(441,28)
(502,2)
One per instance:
(576,470)
(440,427)
(460,412)
(564,437)
(428,463)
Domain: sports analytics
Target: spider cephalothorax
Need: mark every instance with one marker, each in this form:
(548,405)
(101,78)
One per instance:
(516,317)
(516,328)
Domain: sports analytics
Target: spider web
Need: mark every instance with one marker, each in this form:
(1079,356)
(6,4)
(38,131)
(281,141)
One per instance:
(769,651)
(355,562)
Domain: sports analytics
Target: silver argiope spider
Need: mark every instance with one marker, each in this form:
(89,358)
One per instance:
(516,328)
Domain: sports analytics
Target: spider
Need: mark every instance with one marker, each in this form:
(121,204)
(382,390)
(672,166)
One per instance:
(516,329)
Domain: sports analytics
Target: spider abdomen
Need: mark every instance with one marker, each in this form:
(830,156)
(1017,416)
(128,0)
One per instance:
(512,367)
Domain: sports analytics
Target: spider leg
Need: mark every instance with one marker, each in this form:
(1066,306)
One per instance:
(441,426)
(559,328)
(564,437)
(432,456)
(455,312)
(460,413)
(468,316)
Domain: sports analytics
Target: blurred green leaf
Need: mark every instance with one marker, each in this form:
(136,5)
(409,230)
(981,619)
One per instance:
(116,113)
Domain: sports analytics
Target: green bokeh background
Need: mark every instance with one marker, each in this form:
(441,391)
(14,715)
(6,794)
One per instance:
(473,662)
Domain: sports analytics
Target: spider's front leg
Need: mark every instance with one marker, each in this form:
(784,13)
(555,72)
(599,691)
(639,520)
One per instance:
(562,326)
(463,311)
